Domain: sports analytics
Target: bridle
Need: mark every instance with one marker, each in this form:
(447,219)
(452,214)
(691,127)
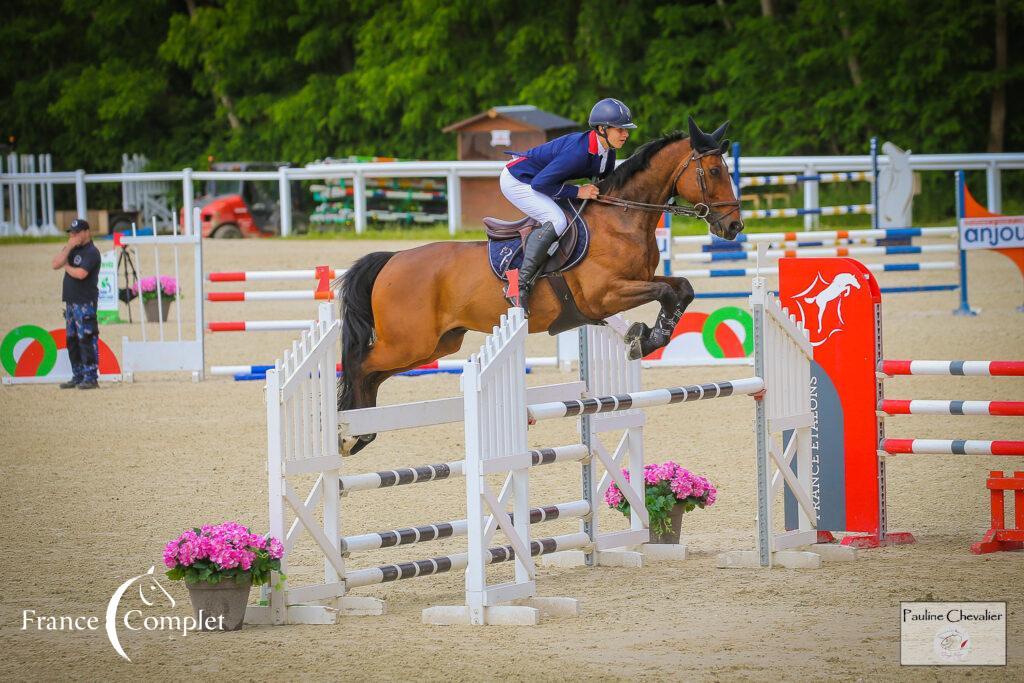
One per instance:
(701,209)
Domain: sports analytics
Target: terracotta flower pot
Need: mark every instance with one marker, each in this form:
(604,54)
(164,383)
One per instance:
(226,599)
(676,518)
(153,309)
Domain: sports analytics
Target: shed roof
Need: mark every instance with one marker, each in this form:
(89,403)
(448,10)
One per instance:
(524,113)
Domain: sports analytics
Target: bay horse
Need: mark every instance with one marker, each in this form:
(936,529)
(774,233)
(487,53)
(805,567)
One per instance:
(404,309)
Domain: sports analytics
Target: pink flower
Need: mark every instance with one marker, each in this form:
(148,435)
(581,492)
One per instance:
(171,554)
(613,496)
(681,487)
(667,478)
(699,486)
(147,285)
(169,285)
(228,545)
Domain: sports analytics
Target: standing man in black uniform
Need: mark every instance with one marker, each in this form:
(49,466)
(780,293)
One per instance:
(80,260)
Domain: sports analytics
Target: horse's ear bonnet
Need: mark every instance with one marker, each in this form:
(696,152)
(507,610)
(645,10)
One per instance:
(707,142)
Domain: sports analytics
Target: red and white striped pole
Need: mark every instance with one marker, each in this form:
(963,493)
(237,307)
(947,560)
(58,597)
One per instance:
(951,447)
(969,368)
(918,407)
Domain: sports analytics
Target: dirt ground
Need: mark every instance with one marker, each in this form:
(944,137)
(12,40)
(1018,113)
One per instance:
(92,485)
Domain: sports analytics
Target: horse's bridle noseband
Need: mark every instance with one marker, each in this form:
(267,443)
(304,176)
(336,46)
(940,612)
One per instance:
(701,209)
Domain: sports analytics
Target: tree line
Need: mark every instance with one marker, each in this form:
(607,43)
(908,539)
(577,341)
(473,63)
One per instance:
(299,80)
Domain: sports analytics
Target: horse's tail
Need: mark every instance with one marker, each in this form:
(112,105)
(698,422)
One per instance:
(357,320)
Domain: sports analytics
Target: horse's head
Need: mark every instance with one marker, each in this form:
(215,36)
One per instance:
(704,181)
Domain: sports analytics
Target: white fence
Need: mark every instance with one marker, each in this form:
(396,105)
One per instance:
(496,407)
(453,171)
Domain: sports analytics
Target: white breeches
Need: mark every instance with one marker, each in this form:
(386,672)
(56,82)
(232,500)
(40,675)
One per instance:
(534,204)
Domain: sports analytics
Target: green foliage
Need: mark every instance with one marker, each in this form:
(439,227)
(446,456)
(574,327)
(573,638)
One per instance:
(206,571)
(298,80)
(660,500)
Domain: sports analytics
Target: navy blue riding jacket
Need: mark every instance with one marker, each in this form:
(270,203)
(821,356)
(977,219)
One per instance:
(547,167)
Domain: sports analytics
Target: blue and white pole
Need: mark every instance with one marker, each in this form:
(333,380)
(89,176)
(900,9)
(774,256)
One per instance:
(965,304)
(874,183)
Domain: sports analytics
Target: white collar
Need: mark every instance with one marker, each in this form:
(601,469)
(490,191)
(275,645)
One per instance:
(601,149)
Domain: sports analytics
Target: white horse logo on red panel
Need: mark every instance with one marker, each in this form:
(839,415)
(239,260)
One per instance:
(827,301)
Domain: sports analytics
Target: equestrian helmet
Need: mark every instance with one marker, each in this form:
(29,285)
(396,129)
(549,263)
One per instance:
(611,112)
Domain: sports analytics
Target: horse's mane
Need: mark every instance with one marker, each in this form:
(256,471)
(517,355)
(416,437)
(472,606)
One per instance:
(638,161)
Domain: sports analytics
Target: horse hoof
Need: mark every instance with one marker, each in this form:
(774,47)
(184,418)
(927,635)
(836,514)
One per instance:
(633,339)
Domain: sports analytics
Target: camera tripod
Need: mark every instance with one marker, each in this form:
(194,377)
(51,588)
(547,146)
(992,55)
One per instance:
(126,266)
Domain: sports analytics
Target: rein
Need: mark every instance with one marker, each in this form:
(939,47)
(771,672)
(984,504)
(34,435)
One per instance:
(701,209)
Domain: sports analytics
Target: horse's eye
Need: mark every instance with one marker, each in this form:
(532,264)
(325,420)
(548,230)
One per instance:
(716,172)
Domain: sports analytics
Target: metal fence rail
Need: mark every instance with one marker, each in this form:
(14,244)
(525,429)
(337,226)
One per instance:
(454,171)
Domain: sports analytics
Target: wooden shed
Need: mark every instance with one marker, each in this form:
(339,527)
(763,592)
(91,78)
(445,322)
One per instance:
(486,137)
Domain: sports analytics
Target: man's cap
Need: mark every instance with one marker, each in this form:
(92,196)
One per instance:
(78,225)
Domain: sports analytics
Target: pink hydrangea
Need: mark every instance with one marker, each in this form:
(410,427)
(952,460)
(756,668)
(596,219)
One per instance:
(613,496)
(147,285)
(227,545)
(169,285)
(666,486)
(681,487)
(683,483)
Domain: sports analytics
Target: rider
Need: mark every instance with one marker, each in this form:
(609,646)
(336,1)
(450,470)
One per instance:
(534,179)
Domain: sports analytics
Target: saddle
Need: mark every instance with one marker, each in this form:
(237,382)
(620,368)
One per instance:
(507,238)
(505,252)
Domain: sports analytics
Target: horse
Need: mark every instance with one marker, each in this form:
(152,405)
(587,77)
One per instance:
(400,310)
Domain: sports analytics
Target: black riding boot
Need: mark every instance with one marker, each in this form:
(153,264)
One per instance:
(540,244)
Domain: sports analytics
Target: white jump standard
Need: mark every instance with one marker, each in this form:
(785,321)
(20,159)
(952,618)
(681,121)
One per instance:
(495,409)
(302,425)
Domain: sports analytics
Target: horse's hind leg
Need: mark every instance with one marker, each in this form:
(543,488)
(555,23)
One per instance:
(384,361)
(674,294)
(450,342)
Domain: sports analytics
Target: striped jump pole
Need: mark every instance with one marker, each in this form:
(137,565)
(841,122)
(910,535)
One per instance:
(951,447)
(834,243)
(283,295)
(710,257)
(917,407)
(270,275)
(791,179)
(796,244)
(794,235)
(968,368)
(323,275)
(884,290)
(443,365)
(458,527)
(774,270)
(447,470)
(260,326)
(645,399)
(447,563)
(848,210)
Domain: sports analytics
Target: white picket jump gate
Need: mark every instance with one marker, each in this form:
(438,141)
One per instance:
(301,441)
(783,356)
(302,425)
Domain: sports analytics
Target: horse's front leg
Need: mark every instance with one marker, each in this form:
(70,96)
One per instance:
(674,294)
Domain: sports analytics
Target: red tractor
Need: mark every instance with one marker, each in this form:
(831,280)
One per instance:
(248,208)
